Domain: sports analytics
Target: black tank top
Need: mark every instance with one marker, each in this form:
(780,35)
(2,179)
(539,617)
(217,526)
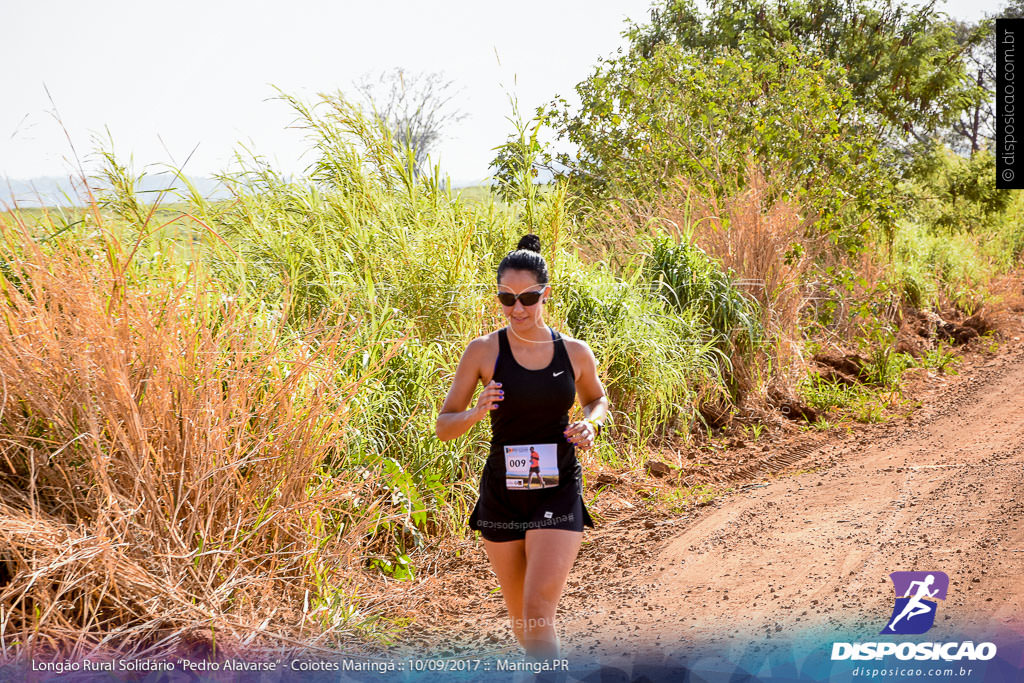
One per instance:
(537,402)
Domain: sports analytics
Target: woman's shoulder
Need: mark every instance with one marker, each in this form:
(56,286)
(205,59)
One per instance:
(571,342)
(484,345)
(482,353)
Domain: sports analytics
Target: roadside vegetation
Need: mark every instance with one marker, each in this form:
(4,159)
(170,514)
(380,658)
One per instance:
(217,416)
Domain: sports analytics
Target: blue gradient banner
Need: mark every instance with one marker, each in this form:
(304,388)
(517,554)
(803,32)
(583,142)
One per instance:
(808,657)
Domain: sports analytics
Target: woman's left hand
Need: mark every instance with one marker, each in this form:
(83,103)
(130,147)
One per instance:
(581,433)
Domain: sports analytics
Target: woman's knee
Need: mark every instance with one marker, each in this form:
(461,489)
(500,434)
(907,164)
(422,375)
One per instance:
(538,607)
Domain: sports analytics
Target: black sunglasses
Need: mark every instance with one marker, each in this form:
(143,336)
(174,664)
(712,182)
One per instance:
(526,298)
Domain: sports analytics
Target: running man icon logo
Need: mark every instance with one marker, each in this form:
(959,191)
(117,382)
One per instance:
(916,594)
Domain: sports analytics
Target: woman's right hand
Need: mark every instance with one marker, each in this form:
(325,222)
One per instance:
(488,399)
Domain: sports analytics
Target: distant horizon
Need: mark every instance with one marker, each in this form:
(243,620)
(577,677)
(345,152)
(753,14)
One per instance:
(457,182)
(149,174)
(54,190)
(196,83)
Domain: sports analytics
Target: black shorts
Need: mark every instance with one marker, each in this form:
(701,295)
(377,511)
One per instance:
(503,514)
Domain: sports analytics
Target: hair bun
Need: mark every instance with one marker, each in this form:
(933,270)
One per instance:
(530,243)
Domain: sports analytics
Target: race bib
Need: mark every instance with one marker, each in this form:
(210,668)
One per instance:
(531,466)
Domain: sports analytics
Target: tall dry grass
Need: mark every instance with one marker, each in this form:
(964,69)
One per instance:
(162,460)
(768,247)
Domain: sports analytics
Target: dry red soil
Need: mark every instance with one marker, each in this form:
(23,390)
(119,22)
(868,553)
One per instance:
(807,542)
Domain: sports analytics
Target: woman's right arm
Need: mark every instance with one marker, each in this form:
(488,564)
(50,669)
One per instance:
(454,420)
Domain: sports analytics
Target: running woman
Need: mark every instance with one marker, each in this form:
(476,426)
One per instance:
(531,376)
(534,468)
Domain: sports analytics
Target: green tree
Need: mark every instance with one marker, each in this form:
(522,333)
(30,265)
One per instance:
(643,121)
(905,64)
(956,193)
(975,127)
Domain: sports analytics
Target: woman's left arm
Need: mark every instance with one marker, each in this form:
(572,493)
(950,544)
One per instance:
(591,395)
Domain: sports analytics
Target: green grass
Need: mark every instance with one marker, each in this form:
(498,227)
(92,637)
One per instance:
(682,499)
(941,359)
(836,402)
(475,194)
(930,266)
(875,400)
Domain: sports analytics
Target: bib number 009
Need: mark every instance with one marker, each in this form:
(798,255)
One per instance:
(531,466)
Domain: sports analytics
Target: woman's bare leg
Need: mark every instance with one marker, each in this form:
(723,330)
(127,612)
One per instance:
(550,554)
(508,560)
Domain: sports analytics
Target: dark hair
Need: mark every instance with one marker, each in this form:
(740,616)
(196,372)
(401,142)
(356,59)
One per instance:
(526,257)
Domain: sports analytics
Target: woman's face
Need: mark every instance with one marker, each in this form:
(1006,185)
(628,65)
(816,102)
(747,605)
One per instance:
(522,317)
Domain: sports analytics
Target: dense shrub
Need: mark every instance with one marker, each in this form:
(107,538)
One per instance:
(644,121)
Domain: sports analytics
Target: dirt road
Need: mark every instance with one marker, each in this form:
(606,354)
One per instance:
(813,551)
(807,551)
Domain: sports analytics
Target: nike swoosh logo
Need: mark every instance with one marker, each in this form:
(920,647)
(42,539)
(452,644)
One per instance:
(558,373)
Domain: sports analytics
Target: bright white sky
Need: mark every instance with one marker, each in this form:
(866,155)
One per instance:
(200,73)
